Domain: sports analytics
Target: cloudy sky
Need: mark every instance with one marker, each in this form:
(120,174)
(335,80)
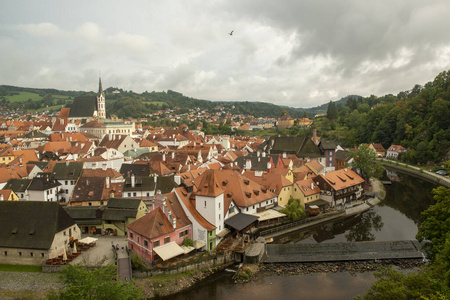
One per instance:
(296,53)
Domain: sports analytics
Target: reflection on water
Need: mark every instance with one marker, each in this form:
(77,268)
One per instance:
(396,218)
(409,195)
(342,285)
(363,230)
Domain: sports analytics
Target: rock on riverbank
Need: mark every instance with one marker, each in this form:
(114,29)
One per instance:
(352,267)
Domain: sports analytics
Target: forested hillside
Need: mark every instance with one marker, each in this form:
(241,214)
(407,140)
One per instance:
(130,104)
(418,119)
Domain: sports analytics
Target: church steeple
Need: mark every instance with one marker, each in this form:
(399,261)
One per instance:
(101,109)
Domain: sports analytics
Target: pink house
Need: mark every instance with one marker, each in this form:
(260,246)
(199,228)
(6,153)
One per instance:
(160,233)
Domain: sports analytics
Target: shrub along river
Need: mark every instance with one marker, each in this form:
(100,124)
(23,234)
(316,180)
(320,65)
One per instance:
(396,218)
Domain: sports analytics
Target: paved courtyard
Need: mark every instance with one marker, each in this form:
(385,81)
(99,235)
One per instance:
(102,251)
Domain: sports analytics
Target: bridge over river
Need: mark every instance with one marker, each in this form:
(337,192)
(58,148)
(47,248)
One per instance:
(350,251)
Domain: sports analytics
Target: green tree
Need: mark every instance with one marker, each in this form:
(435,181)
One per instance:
(332,112)
(97,283)
(431,281)
(436,222)
(365,161)
(294,210)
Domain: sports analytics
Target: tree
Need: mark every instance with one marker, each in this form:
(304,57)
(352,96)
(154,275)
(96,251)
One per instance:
(294,210)
(436,222)
(364,160)
(97,283)
(432,281)
(332,112)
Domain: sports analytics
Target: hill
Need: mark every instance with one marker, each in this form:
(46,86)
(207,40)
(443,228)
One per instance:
(130,104)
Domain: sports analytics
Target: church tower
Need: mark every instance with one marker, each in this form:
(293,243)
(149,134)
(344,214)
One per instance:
(101,109)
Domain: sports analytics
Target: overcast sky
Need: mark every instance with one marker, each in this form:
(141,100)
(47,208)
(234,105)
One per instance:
(296,53)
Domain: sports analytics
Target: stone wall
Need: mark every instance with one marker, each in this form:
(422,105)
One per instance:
(419,173)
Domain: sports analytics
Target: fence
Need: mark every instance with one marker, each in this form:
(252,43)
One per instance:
(210,263)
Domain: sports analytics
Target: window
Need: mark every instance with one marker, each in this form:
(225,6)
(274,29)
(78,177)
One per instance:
(131,235)
(64,233)
(31,254)
(145,243)
(156,243)
(166,240)
(138,239)
(134,194)
(220,217)
(205,203)
(20,253)
(6,253)
(42,255)
(66,182)
(90,204)
(129,194)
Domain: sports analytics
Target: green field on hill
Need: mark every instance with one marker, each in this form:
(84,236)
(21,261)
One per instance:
(23,96)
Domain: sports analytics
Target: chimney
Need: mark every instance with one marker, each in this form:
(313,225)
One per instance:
(107,182)
(174,223)
(1,199)
(67,163)
(264,154)
(173,155)
(164,157)
(133,181)
(312,185)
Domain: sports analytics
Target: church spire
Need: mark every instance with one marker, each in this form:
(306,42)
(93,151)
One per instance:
(101,109)
(100,88)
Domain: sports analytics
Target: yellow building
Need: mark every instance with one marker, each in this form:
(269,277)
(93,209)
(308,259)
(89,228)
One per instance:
(307,191)
(6,155)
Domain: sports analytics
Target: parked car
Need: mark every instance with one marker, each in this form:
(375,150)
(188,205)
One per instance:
(441,172)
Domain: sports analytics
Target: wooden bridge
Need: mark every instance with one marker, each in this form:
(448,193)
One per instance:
(350,251)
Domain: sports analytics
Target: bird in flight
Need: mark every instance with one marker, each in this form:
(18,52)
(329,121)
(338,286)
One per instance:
(231,33)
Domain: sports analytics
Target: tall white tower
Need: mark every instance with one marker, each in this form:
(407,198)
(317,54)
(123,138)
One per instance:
(101,109)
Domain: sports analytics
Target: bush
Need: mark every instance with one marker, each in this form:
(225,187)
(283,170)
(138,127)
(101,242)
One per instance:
(136,262)
(187,242)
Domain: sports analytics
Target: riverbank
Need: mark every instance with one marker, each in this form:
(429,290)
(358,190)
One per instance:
(166,285)
(416,171)
(333,267)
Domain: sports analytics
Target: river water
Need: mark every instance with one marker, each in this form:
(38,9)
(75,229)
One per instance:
(395,218)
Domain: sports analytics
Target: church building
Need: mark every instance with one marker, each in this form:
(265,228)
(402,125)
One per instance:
(89,107)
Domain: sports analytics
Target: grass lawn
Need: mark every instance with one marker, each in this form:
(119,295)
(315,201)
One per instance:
(20,268)
(23,96)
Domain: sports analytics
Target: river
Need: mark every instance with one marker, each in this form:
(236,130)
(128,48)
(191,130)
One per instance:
(395,218)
